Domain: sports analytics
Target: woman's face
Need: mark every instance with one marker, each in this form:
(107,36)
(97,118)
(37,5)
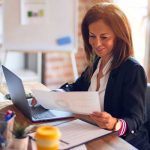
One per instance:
(101,39)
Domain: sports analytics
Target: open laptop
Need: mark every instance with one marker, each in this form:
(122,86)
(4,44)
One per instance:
(17,93)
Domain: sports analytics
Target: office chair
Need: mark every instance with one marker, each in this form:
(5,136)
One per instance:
(147,98)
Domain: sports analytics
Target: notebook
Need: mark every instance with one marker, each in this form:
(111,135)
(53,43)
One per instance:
(17,93)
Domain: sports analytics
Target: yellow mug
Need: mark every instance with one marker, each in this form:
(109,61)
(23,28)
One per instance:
(47,138)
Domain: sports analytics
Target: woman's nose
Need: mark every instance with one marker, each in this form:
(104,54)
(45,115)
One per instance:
(97,42)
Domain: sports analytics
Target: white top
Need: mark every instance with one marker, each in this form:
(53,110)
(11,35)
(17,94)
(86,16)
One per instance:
(103,81)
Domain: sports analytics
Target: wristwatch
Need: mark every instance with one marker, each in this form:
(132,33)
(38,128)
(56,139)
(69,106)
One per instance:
(117,125)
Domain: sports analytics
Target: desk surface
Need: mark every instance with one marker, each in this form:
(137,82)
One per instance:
(108,142)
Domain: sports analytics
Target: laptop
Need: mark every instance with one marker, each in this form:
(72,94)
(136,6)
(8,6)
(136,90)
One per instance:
(18,97)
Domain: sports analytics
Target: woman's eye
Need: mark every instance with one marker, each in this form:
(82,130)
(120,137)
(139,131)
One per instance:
(91,36)
(105,37)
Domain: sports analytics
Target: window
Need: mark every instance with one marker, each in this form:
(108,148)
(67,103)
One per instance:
(136,10)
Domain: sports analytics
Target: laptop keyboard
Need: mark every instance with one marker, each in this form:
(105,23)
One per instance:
(28,96)
(39,112)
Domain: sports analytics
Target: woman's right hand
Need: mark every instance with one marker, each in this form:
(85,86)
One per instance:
(33,102)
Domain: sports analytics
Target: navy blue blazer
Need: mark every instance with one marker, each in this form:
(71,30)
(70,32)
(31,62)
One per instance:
(124,96)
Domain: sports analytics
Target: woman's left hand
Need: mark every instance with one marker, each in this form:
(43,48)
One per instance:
(104,120)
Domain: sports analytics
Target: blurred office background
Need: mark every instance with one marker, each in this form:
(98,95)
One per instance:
(55,68)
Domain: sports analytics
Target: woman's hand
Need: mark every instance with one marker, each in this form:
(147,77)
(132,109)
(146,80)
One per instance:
(33,102)
(104,120)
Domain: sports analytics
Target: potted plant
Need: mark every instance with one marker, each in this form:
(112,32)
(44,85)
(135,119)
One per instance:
(20,131)
(20,136)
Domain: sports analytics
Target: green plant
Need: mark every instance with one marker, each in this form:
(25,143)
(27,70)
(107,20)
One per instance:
(20,131)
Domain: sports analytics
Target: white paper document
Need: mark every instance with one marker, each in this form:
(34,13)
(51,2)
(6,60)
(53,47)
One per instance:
(78,132)
(81,147)
(75,133)
(75,102)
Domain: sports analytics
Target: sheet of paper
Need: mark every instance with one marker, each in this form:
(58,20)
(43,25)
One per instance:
(81,147)
(77,132)
(76,102)
(2,97)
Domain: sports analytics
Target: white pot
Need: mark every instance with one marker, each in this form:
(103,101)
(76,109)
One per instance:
(19,144)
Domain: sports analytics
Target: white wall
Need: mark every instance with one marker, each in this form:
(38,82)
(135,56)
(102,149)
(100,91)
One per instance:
(14,61)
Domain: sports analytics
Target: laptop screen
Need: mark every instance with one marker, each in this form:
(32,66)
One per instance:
(16,90)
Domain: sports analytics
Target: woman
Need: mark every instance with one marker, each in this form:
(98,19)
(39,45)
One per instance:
(114,73)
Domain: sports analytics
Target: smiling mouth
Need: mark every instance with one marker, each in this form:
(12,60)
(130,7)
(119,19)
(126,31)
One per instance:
(99,49)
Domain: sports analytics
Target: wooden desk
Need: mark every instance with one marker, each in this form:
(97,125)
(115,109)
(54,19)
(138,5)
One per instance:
(109,142)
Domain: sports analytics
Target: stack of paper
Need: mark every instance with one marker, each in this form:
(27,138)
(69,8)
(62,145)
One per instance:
(76,102)
(77,132)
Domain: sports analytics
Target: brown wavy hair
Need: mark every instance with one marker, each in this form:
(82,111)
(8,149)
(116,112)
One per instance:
(118,22)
